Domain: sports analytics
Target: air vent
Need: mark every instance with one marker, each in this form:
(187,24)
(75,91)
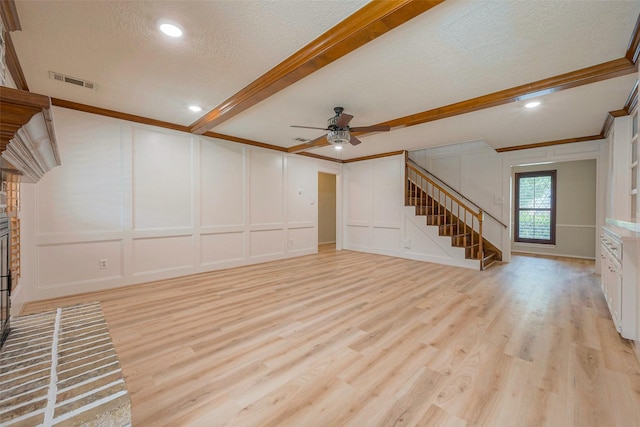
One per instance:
(72,80)
(301,139)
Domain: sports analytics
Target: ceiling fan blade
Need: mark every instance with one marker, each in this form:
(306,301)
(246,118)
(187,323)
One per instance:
(343,120)
(308,127)
(354,141)
(371,129)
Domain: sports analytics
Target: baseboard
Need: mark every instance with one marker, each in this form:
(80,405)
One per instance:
(551,255)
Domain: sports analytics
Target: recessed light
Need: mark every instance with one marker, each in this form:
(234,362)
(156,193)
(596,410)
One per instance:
(532,104)
(170,29)
(195,108)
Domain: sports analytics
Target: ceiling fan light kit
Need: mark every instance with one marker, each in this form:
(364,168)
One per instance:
(338,136)
(339,132)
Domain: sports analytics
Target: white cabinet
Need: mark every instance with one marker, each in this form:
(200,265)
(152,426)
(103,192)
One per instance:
(619,284)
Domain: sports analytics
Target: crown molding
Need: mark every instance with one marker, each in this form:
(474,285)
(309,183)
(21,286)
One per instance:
(244,141)
(632,100)
(318,156)
(549,143)
(371,21)
(374,156)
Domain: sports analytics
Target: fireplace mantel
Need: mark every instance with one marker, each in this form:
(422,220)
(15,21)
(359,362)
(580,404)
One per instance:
(27,136)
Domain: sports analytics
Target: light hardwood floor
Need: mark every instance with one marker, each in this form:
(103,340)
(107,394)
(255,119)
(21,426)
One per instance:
(348,338)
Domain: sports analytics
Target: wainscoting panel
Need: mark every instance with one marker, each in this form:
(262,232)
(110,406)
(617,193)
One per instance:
(386,240)
(54,269)
(302,192)
(222,183)
(302,239)
(266,195)
(221,247)
(265,243)
(162,180)
(91,199)
(159,254)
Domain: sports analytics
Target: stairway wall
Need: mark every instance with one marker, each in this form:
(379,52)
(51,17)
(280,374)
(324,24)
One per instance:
(377,221)
(475,170)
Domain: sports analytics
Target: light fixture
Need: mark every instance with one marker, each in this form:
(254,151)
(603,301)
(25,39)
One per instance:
(338,147)
(195,108)
(170,29)
(532,104)
(338,136)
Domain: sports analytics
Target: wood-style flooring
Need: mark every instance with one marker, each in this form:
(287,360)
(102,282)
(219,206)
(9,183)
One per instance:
(348,338)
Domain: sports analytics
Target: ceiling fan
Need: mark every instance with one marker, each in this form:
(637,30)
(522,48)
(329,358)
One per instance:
(339,131)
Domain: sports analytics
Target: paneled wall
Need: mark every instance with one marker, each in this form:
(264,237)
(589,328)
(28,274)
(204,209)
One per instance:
(152,203)
(373,203)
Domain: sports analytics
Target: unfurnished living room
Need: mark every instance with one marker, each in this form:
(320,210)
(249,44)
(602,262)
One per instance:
(319,213)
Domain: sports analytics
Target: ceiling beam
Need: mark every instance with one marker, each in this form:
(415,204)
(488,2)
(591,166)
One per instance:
(371,21)
(10,15)
(607,70)
(584,76)
(633,51)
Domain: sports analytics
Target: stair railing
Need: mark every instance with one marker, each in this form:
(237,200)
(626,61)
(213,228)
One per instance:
(452,190)
(448,210)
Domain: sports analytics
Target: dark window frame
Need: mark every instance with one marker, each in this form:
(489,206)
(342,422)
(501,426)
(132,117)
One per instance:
(536,174)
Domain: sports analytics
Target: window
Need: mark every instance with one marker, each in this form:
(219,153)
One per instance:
(535,215)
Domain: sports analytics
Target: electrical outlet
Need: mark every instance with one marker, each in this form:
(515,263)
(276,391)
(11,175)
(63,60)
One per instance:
(103,263)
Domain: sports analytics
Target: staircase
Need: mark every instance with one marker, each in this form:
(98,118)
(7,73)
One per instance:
(452,216)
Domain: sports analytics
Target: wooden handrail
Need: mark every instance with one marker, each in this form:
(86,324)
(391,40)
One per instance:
(442,189)
(415,165)
(445,210)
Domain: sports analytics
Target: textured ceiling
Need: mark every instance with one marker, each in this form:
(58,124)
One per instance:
(456,51)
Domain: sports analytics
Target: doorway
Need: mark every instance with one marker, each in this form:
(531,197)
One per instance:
(326,211)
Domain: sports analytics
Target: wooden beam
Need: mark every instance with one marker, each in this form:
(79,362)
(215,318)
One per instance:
(371,21)
(321,142)
(549,143)
(596,73)
(633,51)
(608,70)
(13,64)
(9,15)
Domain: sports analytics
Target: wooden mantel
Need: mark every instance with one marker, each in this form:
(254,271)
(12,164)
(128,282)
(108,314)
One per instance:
(36,150)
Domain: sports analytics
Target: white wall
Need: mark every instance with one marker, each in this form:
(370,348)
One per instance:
(158,204)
